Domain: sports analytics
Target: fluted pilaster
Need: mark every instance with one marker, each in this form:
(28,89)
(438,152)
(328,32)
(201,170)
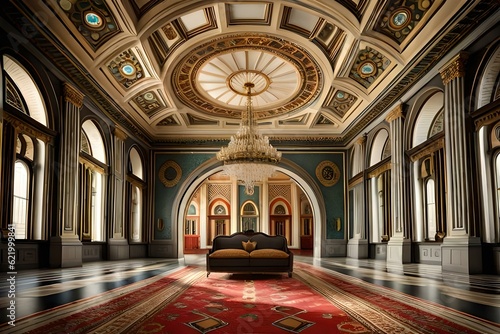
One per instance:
(399,247)
(461,252)
(118,247)
(66,248)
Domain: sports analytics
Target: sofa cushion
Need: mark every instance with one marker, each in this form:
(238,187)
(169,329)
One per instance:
(249,245)
(230,253)
(268,253)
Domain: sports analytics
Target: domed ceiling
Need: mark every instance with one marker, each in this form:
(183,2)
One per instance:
(174,71)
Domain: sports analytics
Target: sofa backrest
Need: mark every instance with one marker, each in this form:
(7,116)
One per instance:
(268,241)
(263,241)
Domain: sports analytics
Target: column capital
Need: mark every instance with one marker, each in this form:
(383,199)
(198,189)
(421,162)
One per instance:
(361,140)
(395,113)
(120,134)
(455,68)
(72,95)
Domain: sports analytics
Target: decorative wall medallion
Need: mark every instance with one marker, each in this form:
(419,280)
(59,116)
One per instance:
(170,173)
(327,173)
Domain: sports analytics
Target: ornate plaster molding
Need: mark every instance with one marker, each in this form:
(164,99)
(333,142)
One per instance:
(455,68)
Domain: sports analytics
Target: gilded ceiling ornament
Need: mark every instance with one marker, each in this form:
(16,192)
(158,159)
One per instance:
(170,173)
(149,102)
(93,19)
(327,173)
(399,18)
(369,65)
(341,102)
(202,67)
(126,68)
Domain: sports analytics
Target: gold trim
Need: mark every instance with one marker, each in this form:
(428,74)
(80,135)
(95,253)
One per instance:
(435,146)
(72,95)
(379,170)
(25,128)
(455,68)
(354,181)
(328,173)
(86,162)
(120,134)
(170,164)
(487,119)
(395,113)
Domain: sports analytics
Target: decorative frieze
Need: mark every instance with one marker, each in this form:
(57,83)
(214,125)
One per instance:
(22,127)
(379,170)
(428,150)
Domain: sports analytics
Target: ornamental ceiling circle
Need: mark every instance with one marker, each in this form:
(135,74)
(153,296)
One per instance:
(211,77)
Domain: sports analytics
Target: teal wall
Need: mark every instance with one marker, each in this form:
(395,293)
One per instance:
(165,196)
(334,196)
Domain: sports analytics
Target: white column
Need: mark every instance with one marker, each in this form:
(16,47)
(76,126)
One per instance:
(203,215)
(65,246)
(118,248)
(398,247)
(264,208)
(357,246)
(461,252)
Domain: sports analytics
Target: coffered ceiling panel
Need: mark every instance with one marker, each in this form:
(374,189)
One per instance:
(175,70)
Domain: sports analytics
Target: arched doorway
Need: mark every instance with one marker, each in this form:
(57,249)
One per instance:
(303,181)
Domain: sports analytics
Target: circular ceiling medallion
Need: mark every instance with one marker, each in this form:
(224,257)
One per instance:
(211,77)
(327,173)
(366,68)
(128,70)
(93,20)
(400,18)
(237,80)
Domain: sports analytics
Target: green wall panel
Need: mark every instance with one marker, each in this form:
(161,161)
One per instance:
(333,196)
(165,196)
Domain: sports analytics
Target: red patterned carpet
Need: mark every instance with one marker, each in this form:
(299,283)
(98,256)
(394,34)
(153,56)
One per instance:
(313,301)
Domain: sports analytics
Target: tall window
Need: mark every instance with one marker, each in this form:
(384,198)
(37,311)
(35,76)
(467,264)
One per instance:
(249,217)
(497,173)
(22,177)
(91,180)
(135,196)
(430,204)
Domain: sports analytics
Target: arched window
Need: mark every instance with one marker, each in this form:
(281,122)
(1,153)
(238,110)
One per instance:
(249,217)
(21,209)
(380,188)
(135,196)
(92,171)
(497,177)
(428,159)
(430,206)
(27,200)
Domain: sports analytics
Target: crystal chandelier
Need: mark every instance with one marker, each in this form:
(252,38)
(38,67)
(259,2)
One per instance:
(249,157)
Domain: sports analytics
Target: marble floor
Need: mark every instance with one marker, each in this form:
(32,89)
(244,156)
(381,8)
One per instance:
(37,290)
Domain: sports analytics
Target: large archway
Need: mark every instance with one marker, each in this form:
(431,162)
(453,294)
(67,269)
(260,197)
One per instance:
(295,172)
